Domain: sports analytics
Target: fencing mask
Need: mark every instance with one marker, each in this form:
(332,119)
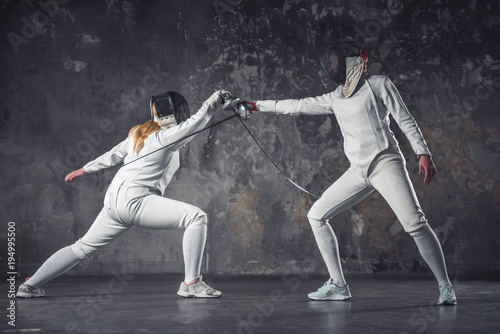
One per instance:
(344,63)
(171,109)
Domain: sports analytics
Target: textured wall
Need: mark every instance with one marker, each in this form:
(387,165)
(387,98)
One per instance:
(76,80)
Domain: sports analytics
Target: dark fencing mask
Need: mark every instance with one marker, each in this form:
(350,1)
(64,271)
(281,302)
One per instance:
(344,63)
(171,109)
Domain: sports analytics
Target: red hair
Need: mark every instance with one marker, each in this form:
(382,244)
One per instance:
(140,132)
(364,55)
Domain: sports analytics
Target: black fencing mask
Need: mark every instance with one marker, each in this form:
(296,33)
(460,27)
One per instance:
(344,63)
(171,109)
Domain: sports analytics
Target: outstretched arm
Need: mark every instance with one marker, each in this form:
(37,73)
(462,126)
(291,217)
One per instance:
(109,159)
(75,174)
(318,105)
(176,137)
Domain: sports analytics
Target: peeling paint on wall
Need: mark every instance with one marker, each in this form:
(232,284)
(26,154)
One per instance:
(75,65)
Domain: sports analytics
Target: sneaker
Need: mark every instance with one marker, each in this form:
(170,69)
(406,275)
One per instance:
(446,294)
(198,289)
(27,291)
(330,291)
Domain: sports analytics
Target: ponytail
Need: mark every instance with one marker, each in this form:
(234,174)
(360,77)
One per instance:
(140,132)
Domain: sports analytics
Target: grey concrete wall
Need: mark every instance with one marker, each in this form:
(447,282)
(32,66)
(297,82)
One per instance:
(75,81)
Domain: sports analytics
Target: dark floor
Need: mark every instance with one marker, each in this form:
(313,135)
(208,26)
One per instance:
(397,304)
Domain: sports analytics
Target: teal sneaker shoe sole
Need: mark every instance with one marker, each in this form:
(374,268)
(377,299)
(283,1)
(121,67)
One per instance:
(330,291)
(331,297)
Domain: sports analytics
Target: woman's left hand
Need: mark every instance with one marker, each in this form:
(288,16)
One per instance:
(426,165)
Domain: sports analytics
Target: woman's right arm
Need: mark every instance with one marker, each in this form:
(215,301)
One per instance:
(318,105)
(177,136)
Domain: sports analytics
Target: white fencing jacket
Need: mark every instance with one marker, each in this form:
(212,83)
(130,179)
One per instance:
(157,169)
(363,118)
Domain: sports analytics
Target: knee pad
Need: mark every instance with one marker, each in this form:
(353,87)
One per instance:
(421,231)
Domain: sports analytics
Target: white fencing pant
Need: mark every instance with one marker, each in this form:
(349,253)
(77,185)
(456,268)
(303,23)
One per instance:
(128,205)
(388,175)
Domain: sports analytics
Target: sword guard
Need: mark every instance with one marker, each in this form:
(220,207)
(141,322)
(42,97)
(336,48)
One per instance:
(231,103)
(238,106)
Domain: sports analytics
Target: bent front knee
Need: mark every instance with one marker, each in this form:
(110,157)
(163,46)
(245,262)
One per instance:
(200,218)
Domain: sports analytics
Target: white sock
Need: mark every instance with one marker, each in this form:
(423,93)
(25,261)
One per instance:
(329,249)
(193,244)
(430,249)
(59,263)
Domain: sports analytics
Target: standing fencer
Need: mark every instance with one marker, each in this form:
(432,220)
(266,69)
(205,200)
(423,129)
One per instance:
(362,104)
(134,197)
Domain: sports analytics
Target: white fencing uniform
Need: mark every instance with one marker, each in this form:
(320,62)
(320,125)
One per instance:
(369,145)
(134,196)
(134,199)
(376,162)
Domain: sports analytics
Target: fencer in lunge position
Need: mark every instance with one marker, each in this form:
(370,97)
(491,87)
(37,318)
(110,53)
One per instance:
(362,104)
(134,197)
